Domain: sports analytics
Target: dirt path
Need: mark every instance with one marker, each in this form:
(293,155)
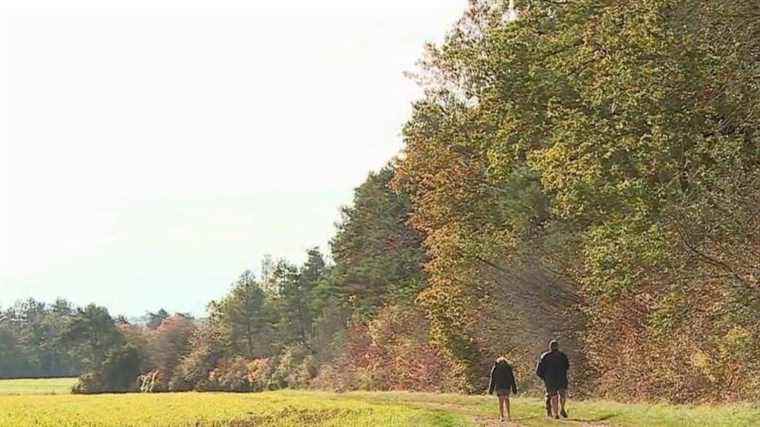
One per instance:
(488,416)
(478,420)
(481,421)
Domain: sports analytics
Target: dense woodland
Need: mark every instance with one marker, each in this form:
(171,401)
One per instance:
(588,171)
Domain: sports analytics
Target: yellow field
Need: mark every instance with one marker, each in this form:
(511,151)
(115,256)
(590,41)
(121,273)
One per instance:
(19,406)
(214,409)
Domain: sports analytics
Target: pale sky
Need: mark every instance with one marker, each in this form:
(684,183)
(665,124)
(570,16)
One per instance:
(150,151)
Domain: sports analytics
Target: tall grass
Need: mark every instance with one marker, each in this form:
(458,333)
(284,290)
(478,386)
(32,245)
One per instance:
(214,409)
(30,402)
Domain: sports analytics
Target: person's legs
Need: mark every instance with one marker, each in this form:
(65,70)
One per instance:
(506,407)
(562,399)
(555,405)
(552,400)
(501,406)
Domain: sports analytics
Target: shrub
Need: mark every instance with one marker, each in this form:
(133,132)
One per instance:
(117,374)
(121,369)
(231,375)
(207,350)
(390,352)
(260,374)
(295,368)
(88,383)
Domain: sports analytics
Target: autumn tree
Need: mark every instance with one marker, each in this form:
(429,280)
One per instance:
(598,159)
(169,344)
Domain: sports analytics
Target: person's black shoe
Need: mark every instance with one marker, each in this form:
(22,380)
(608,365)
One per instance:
(563,413)
(556,417)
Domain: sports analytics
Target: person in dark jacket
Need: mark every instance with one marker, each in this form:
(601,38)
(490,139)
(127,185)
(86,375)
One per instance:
(552,368)
(502,381)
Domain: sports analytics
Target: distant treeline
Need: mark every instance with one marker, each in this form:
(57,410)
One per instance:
(31,337)
(588,172)
(41,340)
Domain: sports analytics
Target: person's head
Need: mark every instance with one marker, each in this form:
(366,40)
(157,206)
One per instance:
(501,360)
(553,345)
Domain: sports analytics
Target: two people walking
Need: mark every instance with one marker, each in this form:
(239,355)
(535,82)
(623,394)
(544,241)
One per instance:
(552,369)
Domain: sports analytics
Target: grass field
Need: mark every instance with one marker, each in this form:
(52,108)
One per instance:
(19,406)
(37,386)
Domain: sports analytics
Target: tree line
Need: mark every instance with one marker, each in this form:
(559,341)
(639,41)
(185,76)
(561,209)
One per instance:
(590,171)
(30,336)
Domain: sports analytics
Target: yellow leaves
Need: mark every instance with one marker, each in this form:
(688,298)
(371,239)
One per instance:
(738,341)
(701,361)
